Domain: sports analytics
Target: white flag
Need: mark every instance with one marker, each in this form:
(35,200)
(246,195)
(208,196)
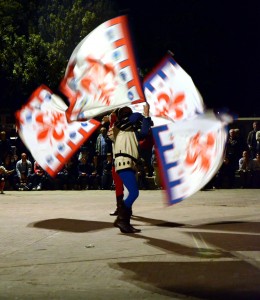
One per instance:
(171,93)
(190,152)
(43,128)
(101,73)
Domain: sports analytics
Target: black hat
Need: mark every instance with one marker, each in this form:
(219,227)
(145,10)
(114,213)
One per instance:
(124,112)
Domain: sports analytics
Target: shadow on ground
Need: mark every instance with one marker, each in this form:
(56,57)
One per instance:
(234,277)
(205,280)
(71,225)
(156,222)
(207,277)
(238,226)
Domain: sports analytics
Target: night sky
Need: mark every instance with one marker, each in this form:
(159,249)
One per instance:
(216,42)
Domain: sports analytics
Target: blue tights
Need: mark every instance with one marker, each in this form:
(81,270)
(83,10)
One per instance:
(130,182)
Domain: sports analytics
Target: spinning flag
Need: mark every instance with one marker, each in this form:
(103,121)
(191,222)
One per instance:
(101,74)
(171,93)
(190,152)
(189,144)
(43,128)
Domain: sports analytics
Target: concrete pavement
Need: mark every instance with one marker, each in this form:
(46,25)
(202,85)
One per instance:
(62,245)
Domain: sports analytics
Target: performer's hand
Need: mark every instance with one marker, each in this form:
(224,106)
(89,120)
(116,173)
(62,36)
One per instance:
(105,119)
(146,110)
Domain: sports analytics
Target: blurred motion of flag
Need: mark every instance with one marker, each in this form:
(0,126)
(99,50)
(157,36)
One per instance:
(44,130)
(190,153)
(102,74)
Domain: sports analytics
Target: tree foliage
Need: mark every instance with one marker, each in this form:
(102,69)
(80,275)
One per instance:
(37,38)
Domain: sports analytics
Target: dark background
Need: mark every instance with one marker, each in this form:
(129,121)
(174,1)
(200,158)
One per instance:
(215,42)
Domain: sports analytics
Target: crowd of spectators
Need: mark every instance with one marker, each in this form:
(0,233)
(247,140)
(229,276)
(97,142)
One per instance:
(91,166)
(241,164)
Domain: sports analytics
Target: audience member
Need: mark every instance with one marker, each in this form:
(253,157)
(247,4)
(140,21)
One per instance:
(234,148)
(3,174)
(240,139)
(5,146)
(67,177)
(258,141)
(9,164)
(106,178)
(83,153)
(245,170)
(88,178)
(61,178)
(23,172)
(256,171)
(251,139)
(38,177)
(72,169)
(103,146)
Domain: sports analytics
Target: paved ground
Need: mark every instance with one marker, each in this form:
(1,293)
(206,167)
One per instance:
(62,245)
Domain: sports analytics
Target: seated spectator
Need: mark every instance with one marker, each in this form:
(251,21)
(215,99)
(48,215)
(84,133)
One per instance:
(67,177)
(86,172)
(39,177)
(62,178)
(245,170)
(3,174)
(106,178)
(23,173)
(9,164)
(256,171)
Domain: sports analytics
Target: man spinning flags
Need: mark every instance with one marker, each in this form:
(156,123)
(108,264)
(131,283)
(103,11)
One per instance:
(102,76)
(129,128)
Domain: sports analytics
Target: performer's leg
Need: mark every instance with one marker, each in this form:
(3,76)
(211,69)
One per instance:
(129,180)
(119,189)
(125,211)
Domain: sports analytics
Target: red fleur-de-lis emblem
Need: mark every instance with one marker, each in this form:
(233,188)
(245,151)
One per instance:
(99,80)
(171,106)
(199,151)
(50,126)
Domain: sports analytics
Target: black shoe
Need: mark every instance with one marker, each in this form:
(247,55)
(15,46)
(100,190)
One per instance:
(135,230)
(125,227)
(123,220)
(114,213)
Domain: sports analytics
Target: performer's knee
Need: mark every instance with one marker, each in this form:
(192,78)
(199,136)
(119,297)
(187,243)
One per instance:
(135,193)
